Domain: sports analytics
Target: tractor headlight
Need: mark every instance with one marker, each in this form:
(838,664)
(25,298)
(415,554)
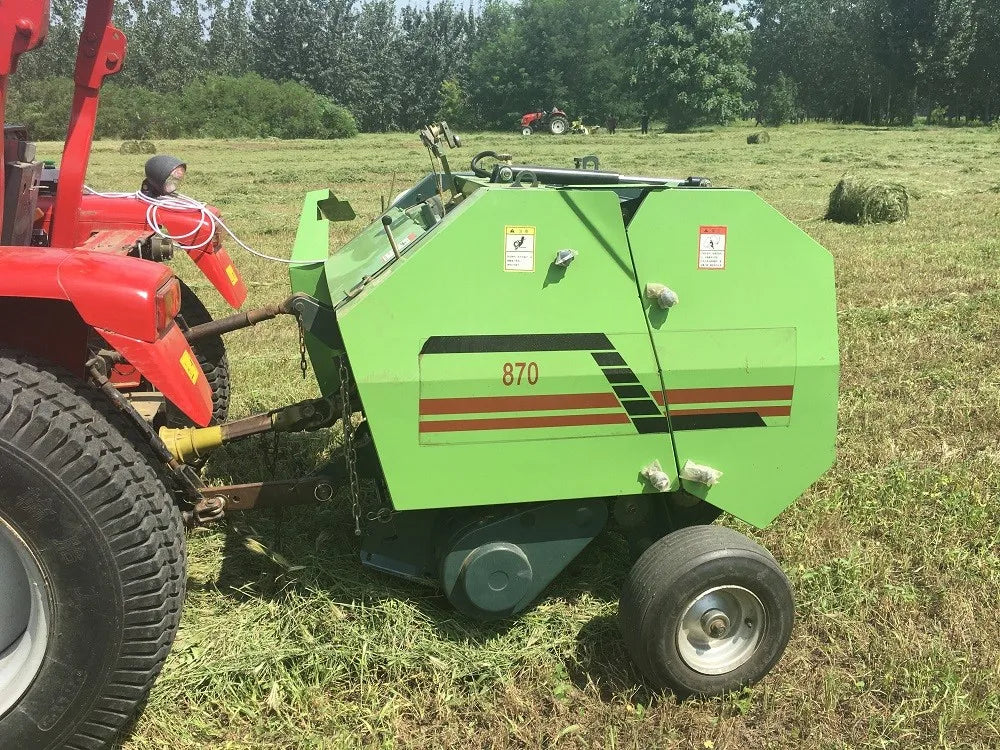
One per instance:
(163,175)
(174,180)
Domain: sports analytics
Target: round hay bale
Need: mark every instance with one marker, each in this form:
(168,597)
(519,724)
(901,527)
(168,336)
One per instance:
(129,147)
(856,200)
(147,147)
(761,136)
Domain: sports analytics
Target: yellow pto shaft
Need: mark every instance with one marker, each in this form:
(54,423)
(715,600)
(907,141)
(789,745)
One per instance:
(188,443)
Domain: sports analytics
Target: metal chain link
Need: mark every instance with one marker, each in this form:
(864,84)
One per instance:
(303,363)
(350,455)
(383,513)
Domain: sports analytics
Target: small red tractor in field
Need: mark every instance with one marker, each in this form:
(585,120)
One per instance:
(555,121)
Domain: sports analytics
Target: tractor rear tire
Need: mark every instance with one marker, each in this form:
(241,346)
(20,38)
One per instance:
(211,354)
(558,125)
(706,611)
(92,563)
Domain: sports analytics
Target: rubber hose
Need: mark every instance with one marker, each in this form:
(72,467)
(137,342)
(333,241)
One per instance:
(476,169)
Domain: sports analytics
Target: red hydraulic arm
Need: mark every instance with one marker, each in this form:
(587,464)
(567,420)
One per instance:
(101,53)
(23,26)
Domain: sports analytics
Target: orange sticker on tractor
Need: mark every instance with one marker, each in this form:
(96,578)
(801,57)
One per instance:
(231,273)
(189,365)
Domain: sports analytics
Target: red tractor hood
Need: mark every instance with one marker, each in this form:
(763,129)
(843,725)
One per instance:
(102,212)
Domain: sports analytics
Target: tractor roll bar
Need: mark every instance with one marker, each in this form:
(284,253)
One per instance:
(100,54)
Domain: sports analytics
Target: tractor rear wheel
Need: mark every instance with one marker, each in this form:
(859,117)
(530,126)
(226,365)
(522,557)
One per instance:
(558,125)
(91,563)
(211,354)
(706,611)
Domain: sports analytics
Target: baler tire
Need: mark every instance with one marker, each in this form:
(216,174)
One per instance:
(211,355)
(107,545)
(664,584)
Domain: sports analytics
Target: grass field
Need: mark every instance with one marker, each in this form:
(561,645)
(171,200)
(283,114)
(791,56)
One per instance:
(894,555)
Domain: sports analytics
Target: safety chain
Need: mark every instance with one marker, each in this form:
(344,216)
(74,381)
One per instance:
(303,364)
(350,455)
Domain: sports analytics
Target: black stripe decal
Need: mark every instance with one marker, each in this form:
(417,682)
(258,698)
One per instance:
(631,391)
(717,421)
(646,425)
(517,342)
(609,359)
(642,408)
(620,375)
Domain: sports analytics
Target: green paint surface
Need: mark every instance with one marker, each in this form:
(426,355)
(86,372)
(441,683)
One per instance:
(484,425)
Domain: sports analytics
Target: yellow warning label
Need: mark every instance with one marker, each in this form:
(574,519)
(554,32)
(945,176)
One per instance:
(189,365)
(518,248)
(231,273)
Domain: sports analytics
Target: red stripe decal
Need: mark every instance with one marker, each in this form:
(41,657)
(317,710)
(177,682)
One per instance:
(487,404)
(517,423)
(725,395)
(764,411)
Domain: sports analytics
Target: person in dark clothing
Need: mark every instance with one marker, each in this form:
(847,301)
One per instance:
(644,122)
(612,124)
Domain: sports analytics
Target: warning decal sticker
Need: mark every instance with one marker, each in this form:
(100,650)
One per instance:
(189,366)
(712,248)
(518,248)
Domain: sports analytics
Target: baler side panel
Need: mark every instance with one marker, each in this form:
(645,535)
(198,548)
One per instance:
(749,353)
(430,338)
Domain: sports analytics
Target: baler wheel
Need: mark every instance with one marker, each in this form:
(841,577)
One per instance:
(91,563)
(706,611)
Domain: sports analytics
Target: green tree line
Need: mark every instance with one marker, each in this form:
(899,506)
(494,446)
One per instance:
(290,68)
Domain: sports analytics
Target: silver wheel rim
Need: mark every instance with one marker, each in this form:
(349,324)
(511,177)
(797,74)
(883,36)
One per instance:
(558,127)
(720,630)
(525,131)
(24,618)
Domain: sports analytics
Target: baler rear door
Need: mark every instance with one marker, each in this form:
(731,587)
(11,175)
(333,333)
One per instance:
(748,355)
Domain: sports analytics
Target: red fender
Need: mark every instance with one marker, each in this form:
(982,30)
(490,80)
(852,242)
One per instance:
(116,296)
(219,269)
(172,367)
(101,212)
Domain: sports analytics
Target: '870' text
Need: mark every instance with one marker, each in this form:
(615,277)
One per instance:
(516,373)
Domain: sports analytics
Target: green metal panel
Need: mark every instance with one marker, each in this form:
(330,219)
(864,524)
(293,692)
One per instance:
(749,354)
(312,240)
(491,376)
(430,338)
(331,281)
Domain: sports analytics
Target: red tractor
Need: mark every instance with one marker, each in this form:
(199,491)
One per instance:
(91,539)
(554,120)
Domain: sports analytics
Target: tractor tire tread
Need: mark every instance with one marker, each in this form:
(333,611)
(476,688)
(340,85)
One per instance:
(126,499)
(211,355)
